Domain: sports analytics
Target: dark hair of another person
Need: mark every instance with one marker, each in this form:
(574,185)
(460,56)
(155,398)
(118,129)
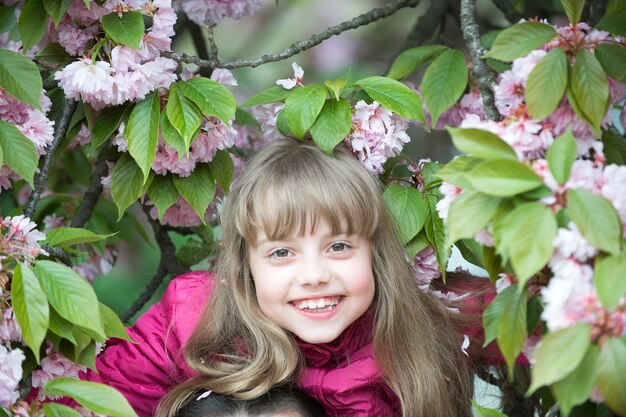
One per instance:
(278,400)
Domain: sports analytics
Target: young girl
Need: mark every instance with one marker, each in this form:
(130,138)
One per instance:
(313,287)
(283,401)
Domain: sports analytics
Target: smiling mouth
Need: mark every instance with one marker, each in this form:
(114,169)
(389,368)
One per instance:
(318,305)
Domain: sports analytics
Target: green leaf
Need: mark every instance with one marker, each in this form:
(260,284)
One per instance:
(32,25)
(436,232)
(486,412)
(503,177)
(7,18)
(577,387)
(20,77)
(171,136)
(30,307)
(113,327)
(455,171)
(444,82)
(281,124)
(531,229)
(70,295)
(493,313)
(59,410)
(471,251)
(332,125)
(411,59)
(183,114)
(612,374)
(108,121)
(407,208)
(19,152)
(417,244)
(596,219)
(211,97)
(614,20)
(271,95)
(520,39)
(98,398)
(303,106)
(590,88)
(395,96)
(609,279)
(612,57)
(614,148)
(243,117)
(546,84)
(223,169)
(142,132)
(61,327)
(573,9)
(558,354)
(469,214)
(481,143)
(335,86)
(57,9)
(127,29)
(561,155)
(198,189)
(69,236)
(126,183)
(512,328)
(54,53)
(162,193)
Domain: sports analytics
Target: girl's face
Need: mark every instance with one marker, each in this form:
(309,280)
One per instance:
(314,285)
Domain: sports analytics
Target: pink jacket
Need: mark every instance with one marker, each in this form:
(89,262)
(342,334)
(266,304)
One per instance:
(343,375)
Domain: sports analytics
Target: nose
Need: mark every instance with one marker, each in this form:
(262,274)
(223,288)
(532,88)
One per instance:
(314,272)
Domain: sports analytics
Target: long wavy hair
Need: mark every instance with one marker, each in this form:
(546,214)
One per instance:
(237,351)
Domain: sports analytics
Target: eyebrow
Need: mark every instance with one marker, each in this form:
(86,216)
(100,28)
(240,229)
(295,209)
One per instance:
(265,240)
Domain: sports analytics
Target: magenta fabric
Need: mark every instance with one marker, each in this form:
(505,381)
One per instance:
(342,375)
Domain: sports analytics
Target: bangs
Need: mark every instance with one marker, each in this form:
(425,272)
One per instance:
(295,193)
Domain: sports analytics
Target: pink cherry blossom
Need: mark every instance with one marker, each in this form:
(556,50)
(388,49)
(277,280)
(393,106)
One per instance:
(450,193)
(20,237)
(10,330)
(614,188)
(224,77)
(504,281)
(569,243)
(425,266)
(39,130)
(377,134)
(53,365)
(266,115)
(72,37)
(527,137)
(97,264)
(10,375)
(289,83)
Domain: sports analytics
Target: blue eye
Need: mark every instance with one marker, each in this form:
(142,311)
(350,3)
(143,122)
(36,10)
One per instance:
(338,247)
(281,253)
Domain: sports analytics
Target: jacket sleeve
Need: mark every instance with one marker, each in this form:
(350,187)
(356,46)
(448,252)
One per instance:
(146,370)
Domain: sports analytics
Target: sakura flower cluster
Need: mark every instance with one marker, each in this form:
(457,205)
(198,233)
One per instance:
(126,74)
(19,241)
(32,122)
(377,135)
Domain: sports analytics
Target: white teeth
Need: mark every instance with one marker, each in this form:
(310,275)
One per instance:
(322,303)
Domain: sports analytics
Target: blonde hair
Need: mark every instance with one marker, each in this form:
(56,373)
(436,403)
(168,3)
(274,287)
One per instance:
(237,351)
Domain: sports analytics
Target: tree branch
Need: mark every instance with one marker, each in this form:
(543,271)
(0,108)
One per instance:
(58,253)
(508,10)
(425,26)
(84,211)
(213,51)
(44,167)
(364,19)
(167,265)
(483,76)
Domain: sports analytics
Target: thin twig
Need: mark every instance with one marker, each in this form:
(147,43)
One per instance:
(168,265)
(213,51)
(483,76)
(426,25)
(84,211)
(508,10)
(364,19)
(147,293)
(59,254)
(44,167)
